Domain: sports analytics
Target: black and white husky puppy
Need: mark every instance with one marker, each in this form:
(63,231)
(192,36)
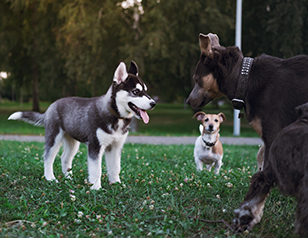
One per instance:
(100,122)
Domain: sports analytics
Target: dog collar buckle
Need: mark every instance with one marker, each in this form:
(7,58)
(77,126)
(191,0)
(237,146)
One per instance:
(238,103)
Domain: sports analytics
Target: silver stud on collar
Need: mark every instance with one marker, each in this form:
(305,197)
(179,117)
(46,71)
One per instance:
(246,65)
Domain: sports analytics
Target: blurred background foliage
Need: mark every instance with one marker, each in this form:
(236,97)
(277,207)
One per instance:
(53,48)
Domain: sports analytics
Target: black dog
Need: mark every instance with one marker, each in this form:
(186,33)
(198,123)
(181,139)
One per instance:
(286,168)
(268,88)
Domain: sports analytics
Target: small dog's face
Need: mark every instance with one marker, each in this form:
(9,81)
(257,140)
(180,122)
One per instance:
(130,93)
(210,122)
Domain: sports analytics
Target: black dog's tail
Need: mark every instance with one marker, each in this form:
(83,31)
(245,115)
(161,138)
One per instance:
(34,118)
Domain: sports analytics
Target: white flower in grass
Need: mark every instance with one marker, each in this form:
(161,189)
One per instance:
(77,221)
(80,214)
(229,185)
(218,196)
(109,232)
(151,207)
(73,197)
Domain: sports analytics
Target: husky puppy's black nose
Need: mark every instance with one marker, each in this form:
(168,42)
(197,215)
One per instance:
(152,104)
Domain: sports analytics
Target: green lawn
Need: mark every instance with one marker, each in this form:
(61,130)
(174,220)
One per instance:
(165,120)
(159,193)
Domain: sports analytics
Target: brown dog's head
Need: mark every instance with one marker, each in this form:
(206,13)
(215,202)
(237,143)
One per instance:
(210,122)
(215,65)
(206,88)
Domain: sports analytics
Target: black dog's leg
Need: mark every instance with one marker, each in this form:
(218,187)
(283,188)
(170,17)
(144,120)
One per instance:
(301,223)
(251,210)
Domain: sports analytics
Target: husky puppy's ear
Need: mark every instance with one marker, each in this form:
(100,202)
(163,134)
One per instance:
(133,68)
(120,73)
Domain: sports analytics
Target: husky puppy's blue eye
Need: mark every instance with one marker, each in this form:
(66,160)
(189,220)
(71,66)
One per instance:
(135,91)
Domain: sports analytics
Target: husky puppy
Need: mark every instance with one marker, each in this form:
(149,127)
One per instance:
(102,123)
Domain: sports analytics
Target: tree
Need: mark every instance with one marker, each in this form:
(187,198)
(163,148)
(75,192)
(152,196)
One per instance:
(27,32)
(275,27)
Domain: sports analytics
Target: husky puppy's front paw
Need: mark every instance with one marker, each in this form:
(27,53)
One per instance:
(51,178)
(96,187)
(114,180)
(244,219)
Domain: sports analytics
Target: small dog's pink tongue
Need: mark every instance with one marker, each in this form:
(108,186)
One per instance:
(145,117)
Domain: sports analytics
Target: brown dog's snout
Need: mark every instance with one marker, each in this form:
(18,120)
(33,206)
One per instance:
(211,127)
(188,102)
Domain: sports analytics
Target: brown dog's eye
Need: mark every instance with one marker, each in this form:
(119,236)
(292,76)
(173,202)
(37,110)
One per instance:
(216,120)
(206,120)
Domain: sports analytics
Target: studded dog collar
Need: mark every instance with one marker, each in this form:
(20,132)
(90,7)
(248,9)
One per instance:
(238,102)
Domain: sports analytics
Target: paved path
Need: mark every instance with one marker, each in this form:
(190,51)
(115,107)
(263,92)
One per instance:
(155,140)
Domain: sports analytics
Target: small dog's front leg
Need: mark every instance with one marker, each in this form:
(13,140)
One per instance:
(199,164)
(218,165)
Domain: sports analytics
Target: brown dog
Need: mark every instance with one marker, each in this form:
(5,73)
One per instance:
(268,88)
(287,168)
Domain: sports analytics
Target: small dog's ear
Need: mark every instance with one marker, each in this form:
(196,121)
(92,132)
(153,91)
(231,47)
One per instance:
(133,68)
(222,117)
(120,73)
(199,115)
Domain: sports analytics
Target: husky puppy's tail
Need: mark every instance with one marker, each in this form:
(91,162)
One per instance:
(34,118)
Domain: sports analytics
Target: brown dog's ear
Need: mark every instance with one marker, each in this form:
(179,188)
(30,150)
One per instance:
(214,39)
(207,42)
(199,115)
(222,117)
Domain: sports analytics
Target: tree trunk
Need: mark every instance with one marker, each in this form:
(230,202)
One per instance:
(35,68)
(35,88)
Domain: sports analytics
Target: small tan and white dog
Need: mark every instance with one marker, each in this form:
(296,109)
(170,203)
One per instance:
(208,149)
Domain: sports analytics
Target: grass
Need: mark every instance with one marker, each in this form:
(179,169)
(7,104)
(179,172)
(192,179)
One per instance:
(160,191)
(165,120)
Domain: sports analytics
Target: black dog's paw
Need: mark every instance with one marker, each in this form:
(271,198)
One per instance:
(243,219)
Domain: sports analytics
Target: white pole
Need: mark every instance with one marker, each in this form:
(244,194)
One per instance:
(238,43)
